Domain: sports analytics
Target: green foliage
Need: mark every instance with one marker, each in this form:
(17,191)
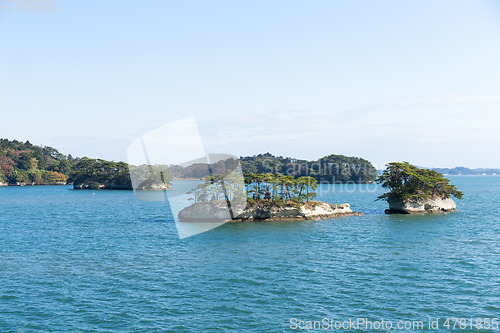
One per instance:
(328,169)
(91,171)
(19,176)
(94,185)
(406,182)
(280,188)
(97,171)
(23,162)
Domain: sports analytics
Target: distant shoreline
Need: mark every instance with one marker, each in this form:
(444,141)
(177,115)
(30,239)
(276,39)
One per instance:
(25,184)
(452,175)
(193,179)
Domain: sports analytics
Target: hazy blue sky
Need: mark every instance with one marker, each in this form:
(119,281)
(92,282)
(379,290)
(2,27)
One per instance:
(384,80)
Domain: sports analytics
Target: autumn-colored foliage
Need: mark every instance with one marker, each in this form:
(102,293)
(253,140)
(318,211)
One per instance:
(56,177)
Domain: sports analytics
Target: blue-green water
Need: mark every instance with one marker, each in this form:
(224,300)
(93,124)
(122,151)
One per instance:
(74,261)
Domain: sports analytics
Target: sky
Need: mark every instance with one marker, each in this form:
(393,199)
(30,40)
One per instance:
(417,81)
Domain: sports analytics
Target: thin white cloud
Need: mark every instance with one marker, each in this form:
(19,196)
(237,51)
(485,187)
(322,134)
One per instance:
(420,129)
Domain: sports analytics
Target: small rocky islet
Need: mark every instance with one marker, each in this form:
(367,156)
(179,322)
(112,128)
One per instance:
(422,206)
(414,190)
(259,197)
(264,211)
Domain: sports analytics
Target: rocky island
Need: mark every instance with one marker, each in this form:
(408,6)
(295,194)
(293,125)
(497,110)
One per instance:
(313,210)
(99,174)
(421,206)
(417,191)
(271,198)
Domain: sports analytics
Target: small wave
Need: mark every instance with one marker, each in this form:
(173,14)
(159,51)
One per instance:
(166,220)
(372,211)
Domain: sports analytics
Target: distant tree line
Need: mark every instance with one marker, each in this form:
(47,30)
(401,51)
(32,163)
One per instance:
(328,169)
(97,173)
(467,172)
(25,163)
(199,171)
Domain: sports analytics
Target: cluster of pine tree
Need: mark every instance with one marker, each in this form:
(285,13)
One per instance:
(280,188)
(267,188)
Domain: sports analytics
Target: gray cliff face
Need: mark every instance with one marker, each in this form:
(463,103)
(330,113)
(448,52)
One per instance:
(105,185)
(208,211)
(205,212)
(435,205)
(156,187)
(317,211)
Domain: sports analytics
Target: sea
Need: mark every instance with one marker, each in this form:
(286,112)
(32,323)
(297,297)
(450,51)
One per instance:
(104,261)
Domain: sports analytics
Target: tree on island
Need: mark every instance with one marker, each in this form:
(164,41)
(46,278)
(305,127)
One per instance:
(407,183)
(264,189)
(260,197)
(280,188)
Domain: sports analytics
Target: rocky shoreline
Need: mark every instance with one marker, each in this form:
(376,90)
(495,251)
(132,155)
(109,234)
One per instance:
(315,210)
(107,185)
(33,184)
(101,186)
(425,206)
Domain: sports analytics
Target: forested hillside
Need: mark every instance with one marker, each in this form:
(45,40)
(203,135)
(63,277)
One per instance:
(328,169)
(22,163)
(25,163)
